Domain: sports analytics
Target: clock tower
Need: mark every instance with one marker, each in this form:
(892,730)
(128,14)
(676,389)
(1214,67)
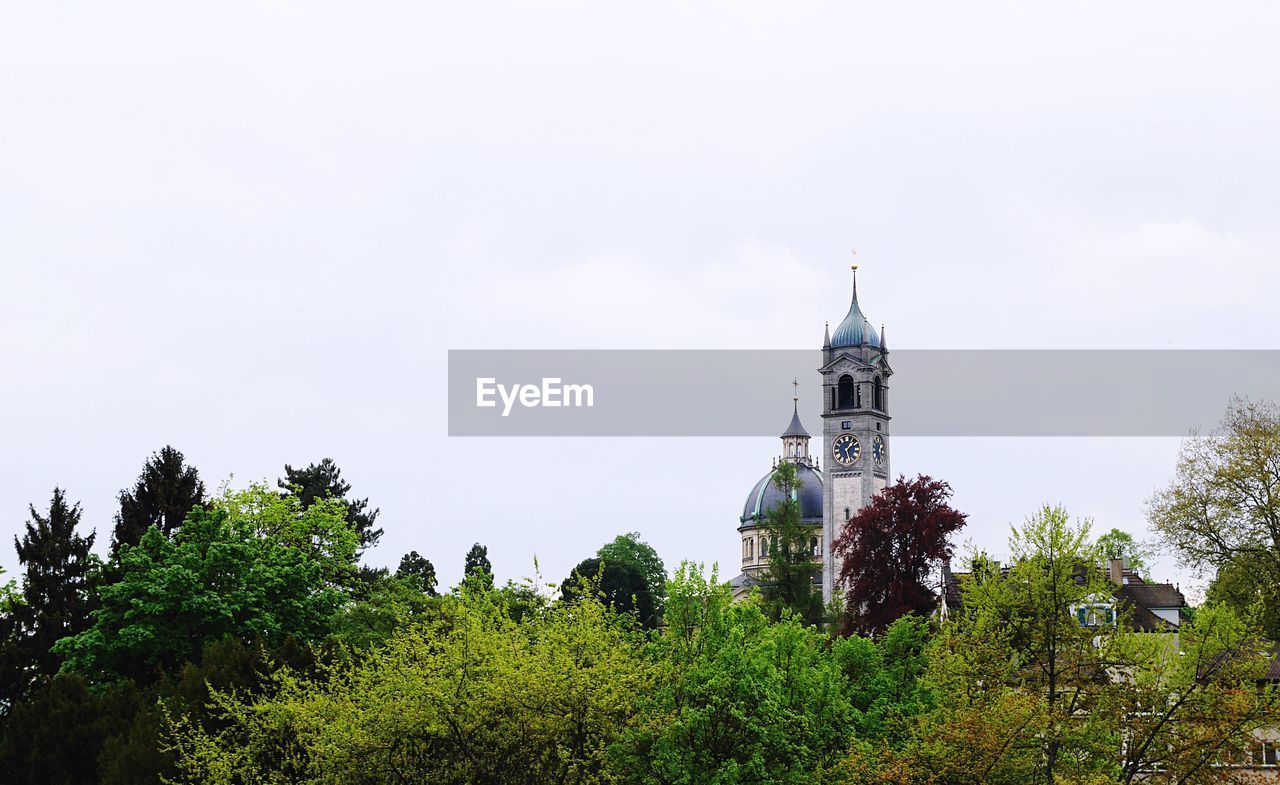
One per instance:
(855,425)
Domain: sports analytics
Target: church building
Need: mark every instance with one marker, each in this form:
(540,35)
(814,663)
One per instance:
(855,440)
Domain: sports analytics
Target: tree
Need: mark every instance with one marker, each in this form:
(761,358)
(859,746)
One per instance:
(1036,678)
(1121,545)
(889,549)
(471,695)
(1240,586)
(56,595)
(617,584)
(323,481)
(629,549)
(420,569)
(736,698)
(788,580)
(253,566)
(1221,512)
(477,563)
(165,492)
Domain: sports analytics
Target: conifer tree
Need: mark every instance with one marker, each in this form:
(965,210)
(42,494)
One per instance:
(55,600)
(789,578)
(478,563)
(420,568)
(324,480)
(165,492)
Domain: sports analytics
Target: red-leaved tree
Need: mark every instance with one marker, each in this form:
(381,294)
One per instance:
(889,549)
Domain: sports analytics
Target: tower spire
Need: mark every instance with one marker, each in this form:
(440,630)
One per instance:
(826,335)
(854,268)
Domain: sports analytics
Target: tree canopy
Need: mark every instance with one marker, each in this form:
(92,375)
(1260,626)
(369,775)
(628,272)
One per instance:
(890,548)
(166,490)
(323,480)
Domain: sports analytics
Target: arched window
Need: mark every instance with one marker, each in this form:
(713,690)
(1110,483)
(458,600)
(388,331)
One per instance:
(764,547)
(877,395)
(845,390)
(813,547)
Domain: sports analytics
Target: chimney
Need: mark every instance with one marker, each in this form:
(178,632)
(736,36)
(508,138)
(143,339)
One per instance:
(1115,570)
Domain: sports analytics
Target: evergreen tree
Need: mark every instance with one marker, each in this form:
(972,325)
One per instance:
(324,480)
(478,563)
(56,594)
(413,565)
(165,492)
(789,578)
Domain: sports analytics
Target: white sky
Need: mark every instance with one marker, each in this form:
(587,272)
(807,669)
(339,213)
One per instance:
(253,230)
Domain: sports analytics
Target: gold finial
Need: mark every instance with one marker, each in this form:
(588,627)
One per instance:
(854,266)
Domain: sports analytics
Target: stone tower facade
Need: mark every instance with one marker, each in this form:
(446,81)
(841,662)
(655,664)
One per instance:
(855,426)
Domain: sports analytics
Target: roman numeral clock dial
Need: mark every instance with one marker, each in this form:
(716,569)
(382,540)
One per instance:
(845,450)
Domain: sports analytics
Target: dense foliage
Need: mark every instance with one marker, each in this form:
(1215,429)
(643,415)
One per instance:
(248,644)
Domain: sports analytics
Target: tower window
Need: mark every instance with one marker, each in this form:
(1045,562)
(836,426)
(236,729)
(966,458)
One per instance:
(877,395)
(845,392)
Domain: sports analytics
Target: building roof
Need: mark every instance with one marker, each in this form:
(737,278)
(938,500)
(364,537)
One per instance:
(795,428)
(855,330)
(764,495)
(1135,595)
(1152,595)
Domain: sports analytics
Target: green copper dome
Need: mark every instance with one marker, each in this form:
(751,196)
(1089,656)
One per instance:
(855,330)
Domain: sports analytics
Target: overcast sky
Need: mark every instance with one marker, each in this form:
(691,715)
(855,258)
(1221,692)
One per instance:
(253,231)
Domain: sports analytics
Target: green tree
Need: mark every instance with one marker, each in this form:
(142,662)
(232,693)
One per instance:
(1239,584)
(637,554)
(255,566)
(1122,545)
(56,596)
(1221,512)
(477,563)
(737,698)
(471,695)
(617,584)
(323,480)
(1036,679)
(420,569)
(166,490)
(788,580)
(56,736)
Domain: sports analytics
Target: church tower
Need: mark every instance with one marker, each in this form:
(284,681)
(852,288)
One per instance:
(855,425)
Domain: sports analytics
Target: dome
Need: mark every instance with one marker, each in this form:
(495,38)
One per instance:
(764,495)
(855,330)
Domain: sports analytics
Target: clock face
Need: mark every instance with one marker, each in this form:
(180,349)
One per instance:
(878,449)
(845,449)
